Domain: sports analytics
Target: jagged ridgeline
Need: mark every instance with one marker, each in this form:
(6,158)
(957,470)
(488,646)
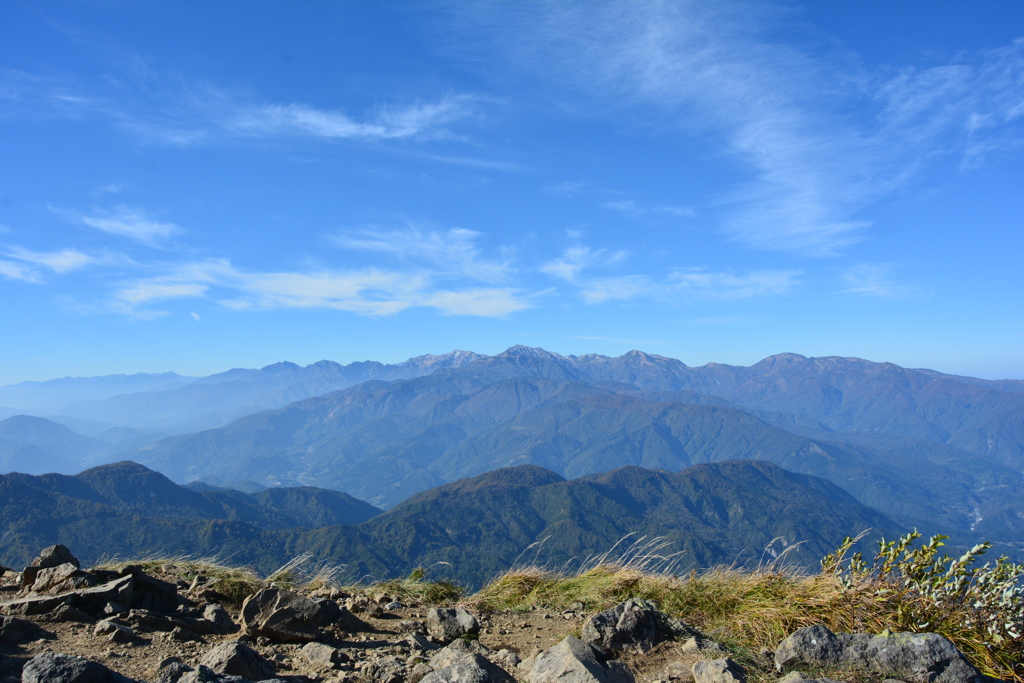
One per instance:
(727,512)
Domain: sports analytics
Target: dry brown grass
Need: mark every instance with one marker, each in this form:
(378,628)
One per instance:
(747,610)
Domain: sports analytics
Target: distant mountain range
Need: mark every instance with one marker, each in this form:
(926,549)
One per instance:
(733,512)
(940,452)
(171,403)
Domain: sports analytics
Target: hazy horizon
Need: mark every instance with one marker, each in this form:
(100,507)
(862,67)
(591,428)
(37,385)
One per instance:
(401,360)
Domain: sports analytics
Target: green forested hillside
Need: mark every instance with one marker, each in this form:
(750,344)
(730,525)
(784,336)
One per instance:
(739,511)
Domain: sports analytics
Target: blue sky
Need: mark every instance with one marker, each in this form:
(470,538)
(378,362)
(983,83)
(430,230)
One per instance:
(197,186)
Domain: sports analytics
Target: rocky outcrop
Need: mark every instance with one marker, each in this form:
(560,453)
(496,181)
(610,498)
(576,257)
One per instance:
(909,657)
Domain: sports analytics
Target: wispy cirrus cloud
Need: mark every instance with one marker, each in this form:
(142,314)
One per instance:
(19,271)
(130,222)
(680,286)
(60,261)
(878,279)
(691,285)
(368,291)
(818,138)
(29,264)
(272,120)
(574,260)
(450,253)
(635,209)
(204,114)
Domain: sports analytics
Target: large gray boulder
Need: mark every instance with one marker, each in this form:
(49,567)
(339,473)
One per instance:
(718,671)
(55,555)
(447,624)
(631,626)
(909,657)
(281,615)
(573,661)
(917,658)
(51,667)
(813,646)
(237,659)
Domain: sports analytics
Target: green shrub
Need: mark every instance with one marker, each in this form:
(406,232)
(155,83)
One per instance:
(979,608)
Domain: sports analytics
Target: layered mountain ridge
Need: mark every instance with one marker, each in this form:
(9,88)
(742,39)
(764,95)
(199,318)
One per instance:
(737,512)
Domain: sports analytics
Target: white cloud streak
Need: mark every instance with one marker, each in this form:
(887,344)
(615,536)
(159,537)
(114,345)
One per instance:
(61,261)
(574,260)
(273,120)
(371,291)
(450,253)
(876,279)
(133,223)
(18,271)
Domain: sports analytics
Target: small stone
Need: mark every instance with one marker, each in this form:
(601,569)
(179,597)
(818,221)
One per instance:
(114,631)
(112,608)
(183,635)
(718,671)
(318,653)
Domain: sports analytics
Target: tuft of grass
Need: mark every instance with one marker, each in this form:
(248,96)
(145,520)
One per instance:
(415,588)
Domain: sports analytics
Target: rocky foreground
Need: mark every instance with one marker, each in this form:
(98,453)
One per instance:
(65,625)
